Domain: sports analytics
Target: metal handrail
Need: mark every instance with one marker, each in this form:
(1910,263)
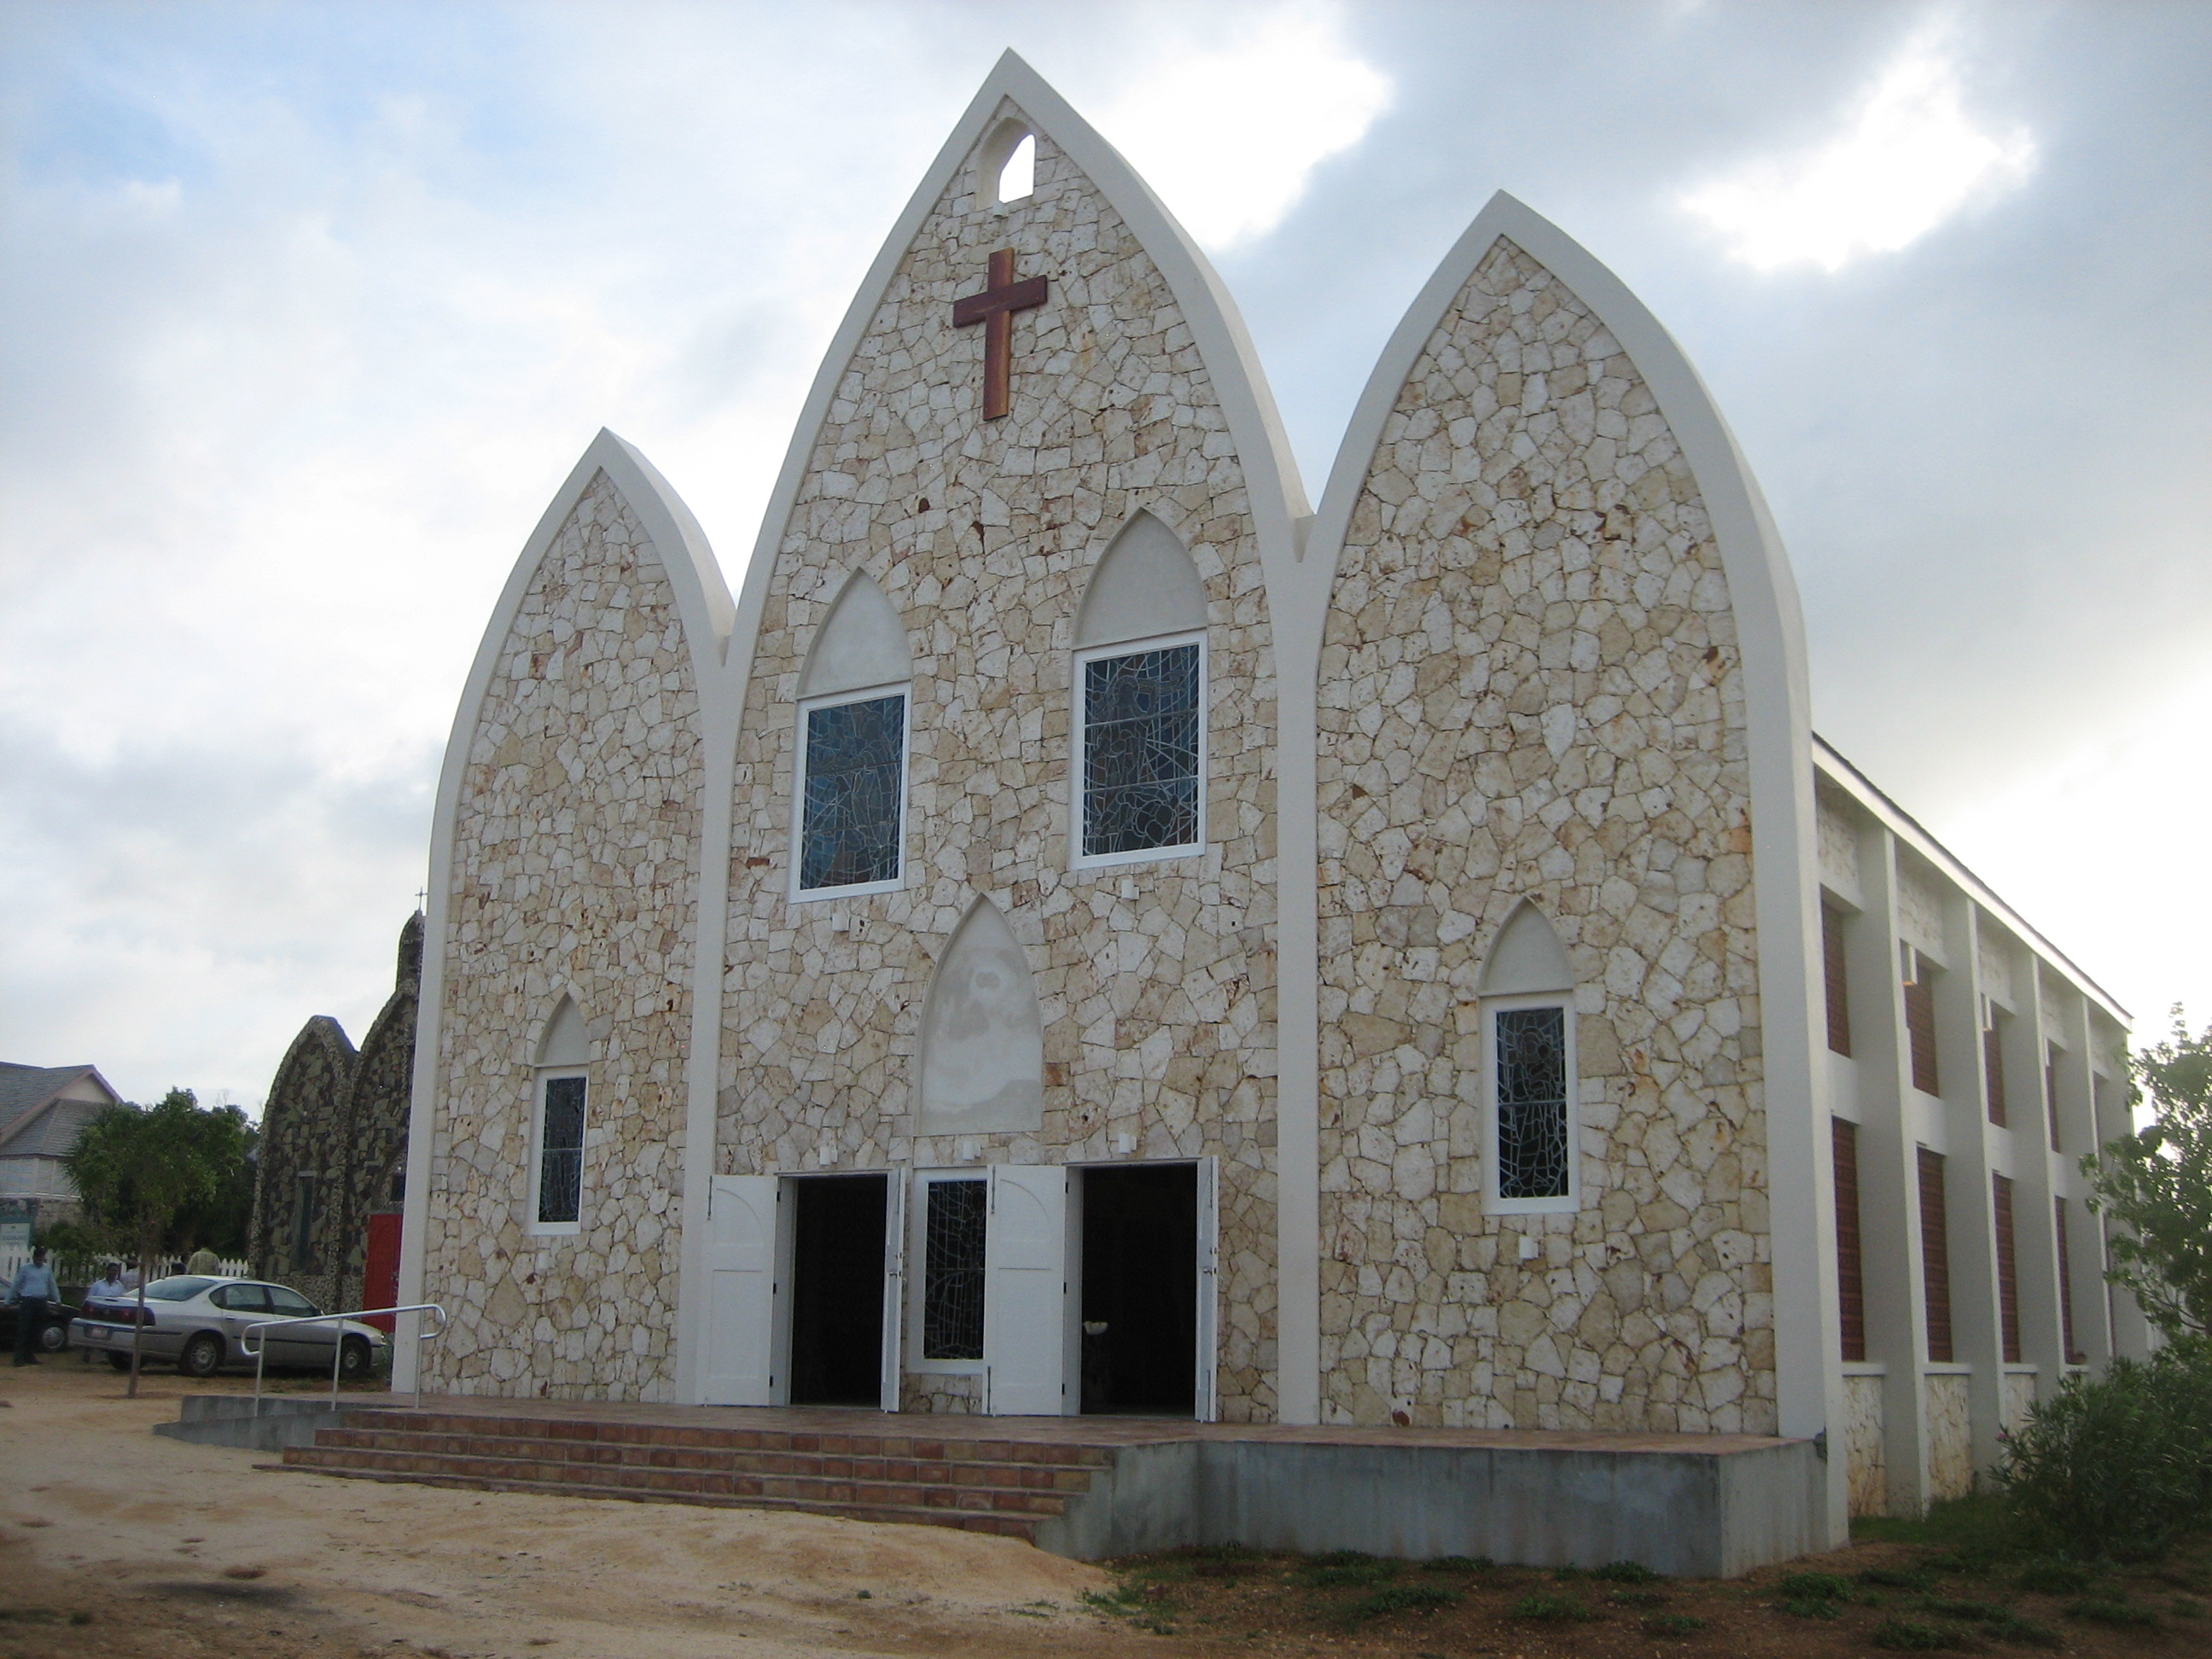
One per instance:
(260,1352)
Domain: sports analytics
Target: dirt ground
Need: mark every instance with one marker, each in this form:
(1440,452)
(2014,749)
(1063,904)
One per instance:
(115,1544)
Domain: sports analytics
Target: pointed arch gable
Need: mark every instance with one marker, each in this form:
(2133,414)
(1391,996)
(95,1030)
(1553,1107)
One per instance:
(862,643)
(982,1064)
(1527,957)
(1144,585)
(1015,95)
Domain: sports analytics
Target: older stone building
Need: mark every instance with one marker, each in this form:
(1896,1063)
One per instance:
(333,1147)
(1081,932)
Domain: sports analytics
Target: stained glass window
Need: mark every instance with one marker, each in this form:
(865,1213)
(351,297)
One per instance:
(952,1270)
(849,830)
(1140,740)
(1531,1058)
(561,1151)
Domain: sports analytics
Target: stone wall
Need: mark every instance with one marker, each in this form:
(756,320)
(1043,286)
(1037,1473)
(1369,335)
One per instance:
(303,1131)
(1157,981)
(1530,687)
(1865,1450)
(574,871)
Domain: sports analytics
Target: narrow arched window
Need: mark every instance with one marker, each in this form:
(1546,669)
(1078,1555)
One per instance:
(1528,1043)
(1006,165)
(851,796)
(557,1132)
(1140,730)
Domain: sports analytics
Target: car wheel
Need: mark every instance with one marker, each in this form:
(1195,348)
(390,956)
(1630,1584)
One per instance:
(202,1355)
(54,1339)
(121,1362)
(353,1358)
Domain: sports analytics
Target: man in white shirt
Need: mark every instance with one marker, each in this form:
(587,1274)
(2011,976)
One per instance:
(32,1289)
(109,1286)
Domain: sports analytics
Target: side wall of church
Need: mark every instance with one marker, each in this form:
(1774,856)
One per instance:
(1157,981)
(574,871)
(1531,688)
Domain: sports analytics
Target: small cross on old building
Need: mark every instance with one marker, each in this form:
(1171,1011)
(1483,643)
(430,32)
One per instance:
(995,307)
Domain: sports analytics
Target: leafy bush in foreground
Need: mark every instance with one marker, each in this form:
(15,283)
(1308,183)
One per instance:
(2119,1466)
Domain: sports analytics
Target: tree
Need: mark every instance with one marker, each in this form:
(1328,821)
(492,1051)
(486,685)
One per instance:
(2157,1184)
(143,1173)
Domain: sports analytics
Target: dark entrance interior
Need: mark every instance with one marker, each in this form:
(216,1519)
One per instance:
(837,1290)
(1140,1283)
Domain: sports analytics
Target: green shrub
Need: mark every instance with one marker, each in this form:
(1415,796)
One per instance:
(2119,1466)
(1553,1609)
(1397,1598)
(1904,1635)
(1673,1624)
(1627,1572)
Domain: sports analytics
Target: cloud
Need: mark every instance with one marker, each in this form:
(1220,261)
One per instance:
(1910,158)
(1228,124)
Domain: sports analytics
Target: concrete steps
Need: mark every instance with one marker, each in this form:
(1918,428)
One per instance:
(1001,1486)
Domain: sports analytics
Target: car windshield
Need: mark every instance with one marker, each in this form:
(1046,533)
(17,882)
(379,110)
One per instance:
(182,1288)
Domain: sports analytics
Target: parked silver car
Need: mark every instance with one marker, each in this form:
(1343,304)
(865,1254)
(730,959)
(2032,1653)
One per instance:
(196,1322)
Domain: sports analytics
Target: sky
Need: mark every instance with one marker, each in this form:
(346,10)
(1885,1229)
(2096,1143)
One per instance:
(305,309)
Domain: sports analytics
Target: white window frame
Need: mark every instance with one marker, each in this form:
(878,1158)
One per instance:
(918,1272)
(902,689)
(546,1074)
(1079,858)
(1572,1200)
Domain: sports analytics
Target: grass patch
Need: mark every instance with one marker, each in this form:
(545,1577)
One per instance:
(1813,1595)
(1458,1564)
(2054,1578)
(1626,1572)
(2104,1610)
(2013,1628)
(1548,1609)
(1639,1598)
(1909,1635)
(1905,1578)
(1396,1598)
(1975,1530)
(1345,1570)
(1673,1624)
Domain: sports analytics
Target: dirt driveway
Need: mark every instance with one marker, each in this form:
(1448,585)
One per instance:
(114,1542)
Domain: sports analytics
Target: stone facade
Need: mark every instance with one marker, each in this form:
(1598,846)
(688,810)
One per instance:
(1530,689)
(338,1117)
(1156,980)
(575,872)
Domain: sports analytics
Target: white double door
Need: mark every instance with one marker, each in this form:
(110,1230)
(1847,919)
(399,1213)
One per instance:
(1031,1290)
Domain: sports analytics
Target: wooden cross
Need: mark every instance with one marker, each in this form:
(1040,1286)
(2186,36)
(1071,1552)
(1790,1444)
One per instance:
(995,307)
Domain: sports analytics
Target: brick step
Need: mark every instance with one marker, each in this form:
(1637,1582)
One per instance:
(646,1480)
(856,1466)
(886,1443)
(1005,1526)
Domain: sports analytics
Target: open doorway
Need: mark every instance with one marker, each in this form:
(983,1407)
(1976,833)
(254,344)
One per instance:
(1140,1288)
(837,1290)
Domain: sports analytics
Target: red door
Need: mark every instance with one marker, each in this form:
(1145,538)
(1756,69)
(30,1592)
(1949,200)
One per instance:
(380,1284)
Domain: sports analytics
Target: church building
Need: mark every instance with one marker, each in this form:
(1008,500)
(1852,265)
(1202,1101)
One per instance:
(1083,931)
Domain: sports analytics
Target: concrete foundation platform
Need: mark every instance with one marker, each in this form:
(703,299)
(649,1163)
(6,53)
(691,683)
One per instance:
(229,1419)
(1094,1487)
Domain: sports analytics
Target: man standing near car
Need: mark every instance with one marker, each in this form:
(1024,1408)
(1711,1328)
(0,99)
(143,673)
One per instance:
(33,1289)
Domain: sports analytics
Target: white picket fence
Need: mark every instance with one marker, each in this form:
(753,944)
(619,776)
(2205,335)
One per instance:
(13,1258)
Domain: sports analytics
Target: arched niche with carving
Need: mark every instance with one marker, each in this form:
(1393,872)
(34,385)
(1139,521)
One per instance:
(862,644)
(982,1035)
(1527,957)
(565,1041)
(1145,586)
